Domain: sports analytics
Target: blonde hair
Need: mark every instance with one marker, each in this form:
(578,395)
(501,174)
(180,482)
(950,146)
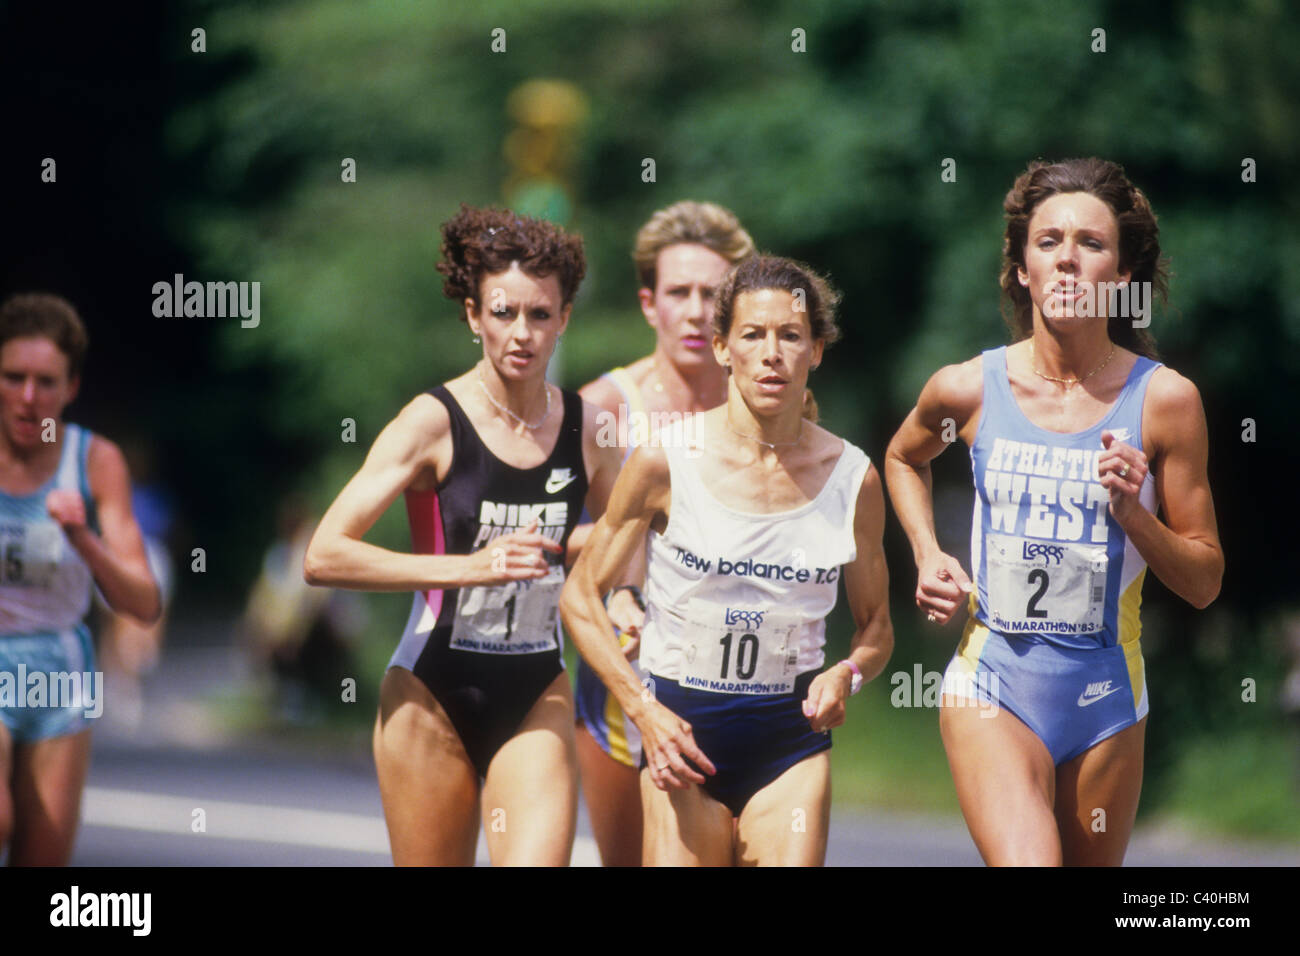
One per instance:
(688,221)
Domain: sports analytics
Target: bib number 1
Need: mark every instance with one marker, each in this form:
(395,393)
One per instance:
(514,618)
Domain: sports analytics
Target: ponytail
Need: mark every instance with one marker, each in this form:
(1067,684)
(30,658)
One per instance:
(810,406)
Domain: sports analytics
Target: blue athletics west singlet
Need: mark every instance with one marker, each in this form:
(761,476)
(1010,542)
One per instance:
(1054,616)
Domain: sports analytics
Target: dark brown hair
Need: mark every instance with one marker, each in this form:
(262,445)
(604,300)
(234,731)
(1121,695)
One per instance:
(49,316)
(1139,239)
(786,275)
(481,242)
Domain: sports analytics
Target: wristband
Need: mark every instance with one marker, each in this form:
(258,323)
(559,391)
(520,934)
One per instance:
(855,684)
(633,589)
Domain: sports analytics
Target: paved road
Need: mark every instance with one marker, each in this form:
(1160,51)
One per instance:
(265,803)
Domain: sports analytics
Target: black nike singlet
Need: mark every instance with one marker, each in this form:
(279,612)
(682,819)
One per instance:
(487,653)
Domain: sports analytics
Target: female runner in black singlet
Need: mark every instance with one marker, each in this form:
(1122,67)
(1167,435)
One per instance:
(475,712)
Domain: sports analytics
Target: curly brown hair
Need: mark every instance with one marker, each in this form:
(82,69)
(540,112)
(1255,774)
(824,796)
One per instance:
(40,314)
(480,242)
(1139,239)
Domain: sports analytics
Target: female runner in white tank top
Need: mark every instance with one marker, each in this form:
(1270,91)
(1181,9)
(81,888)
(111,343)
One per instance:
(747,530)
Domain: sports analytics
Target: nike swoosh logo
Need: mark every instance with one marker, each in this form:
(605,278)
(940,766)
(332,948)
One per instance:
(552,486)
(1084,700)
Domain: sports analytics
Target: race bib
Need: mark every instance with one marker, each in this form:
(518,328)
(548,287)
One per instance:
(1045,586)
(739,650)
(30,553)
(514,618)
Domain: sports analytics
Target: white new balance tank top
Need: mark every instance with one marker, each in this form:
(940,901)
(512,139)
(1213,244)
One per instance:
(736,602)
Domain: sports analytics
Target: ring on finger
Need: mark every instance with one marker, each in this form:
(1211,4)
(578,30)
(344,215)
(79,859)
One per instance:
(1123,472)
(931,617)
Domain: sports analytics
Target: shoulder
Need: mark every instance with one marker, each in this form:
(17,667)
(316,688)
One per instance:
(829,448)
(957,386)
(649,466)
(423,417)
(602,392)
(860,463)
(1172,412)
(103,456)
(106,468)
(870,511)
(605,391)
(1169,393)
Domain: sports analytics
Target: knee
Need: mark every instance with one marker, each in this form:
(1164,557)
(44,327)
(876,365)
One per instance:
(1040,852)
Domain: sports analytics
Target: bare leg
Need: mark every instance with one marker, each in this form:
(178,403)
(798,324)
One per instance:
(48,778)
(1106,778)
(613,794)
(1005,783)
(427,783)
(787,823)
(530,798)
(685,827)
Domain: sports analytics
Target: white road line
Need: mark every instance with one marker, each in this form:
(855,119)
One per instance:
(155,813)
(224,819)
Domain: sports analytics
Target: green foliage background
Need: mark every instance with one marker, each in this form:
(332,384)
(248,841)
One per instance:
(833,156)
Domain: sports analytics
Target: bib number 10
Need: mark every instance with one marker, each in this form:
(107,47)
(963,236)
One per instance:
(746,656)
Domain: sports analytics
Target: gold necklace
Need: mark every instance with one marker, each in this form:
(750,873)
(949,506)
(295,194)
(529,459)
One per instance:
(1069,383)
(501,408)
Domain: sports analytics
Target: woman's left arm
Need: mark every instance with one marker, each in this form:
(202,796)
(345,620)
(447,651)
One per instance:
(117,559)
(866,583)
(1183,551)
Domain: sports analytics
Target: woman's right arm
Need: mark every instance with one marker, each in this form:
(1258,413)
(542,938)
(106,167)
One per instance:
(411,444)
(642,493)
(948,407)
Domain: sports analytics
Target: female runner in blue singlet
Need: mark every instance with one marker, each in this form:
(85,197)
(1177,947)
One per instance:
(1077,436)
(65,523)
(747,522)
(475,712)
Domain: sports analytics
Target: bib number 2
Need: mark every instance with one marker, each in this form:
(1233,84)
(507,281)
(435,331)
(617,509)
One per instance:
(1045,587)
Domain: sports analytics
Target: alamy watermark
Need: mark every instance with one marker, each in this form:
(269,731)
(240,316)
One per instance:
(634,429)
(56,690)
(921,688)
(1124,300)
(208,300)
